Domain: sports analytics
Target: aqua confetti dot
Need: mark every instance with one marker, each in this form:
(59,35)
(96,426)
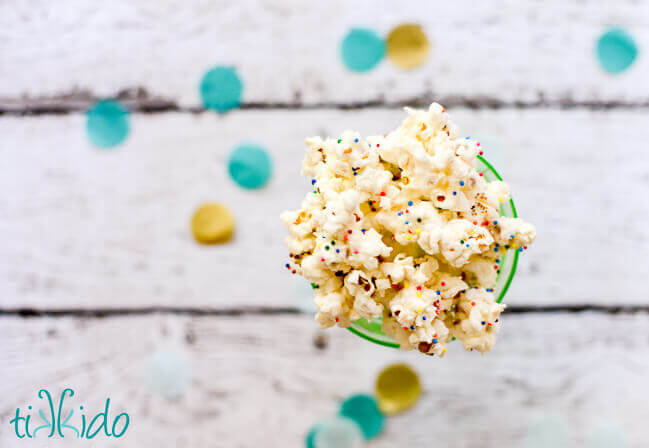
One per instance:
(495,151)
(616,50)
(310,436)
(303,295)
(362,49)
(168,373)
(221,89)
(250,166)
(107,123)
(607,437)
(337,433)
(364,410)
(548,431)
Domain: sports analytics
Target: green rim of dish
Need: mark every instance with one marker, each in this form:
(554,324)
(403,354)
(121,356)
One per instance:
(389,343)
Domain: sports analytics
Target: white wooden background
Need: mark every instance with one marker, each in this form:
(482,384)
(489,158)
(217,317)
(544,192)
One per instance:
(98,267)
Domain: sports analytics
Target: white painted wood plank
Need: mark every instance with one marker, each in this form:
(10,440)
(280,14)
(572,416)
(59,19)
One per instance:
(254,375)
(89,228)
(289,51)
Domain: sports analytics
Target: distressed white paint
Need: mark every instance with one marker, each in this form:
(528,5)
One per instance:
(86,228)
(289,51)
(259,381)
(89,228)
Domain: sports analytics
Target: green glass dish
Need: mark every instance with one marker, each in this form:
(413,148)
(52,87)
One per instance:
(372,330)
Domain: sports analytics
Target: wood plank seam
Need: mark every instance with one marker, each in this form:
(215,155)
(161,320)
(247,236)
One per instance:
(268,311)
(139,100)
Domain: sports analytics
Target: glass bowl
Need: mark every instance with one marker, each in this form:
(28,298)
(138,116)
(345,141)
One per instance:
(372,330)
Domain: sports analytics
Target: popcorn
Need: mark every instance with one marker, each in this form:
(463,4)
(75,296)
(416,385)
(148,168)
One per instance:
(402,227)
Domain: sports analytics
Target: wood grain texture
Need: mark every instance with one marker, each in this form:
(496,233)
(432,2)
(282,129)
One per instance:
(260,381)
(288,52)
(87,228)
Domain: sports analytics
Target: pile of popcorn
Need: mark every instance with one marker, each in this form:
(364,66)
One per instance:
(402,227)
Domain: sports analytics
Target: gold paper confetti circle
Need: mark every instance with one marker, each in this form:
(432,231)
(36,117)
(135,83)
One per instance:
(407,46)
(397,388)
(212,223)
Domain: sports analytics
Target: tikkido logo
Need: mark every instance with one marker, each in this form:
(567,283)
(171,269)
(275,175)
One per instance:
(25,424)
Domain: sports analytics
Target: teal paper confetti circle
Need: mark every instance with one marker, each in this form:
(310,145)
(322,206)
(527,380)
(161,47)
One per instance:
(168,373)
(616,50)
(548,431)
(362,49)
(337,433)
(107,123)
(364,411)
(250,166)
(607,437)
(495,151)
(221,89)
(310,436)
(303,295)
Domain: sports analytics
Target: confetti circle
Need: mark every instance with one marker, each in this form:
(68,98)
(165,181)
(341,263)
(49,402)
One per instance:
(250,166)
(616,50)
(407,46)
(107,123)
(337,433)
(303,294)
(168,373)
(397,388)
(363,410)
(607,437)
(362,49)
(221,89)
(549,431)
(495,150)
(212,223)
(308,440)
